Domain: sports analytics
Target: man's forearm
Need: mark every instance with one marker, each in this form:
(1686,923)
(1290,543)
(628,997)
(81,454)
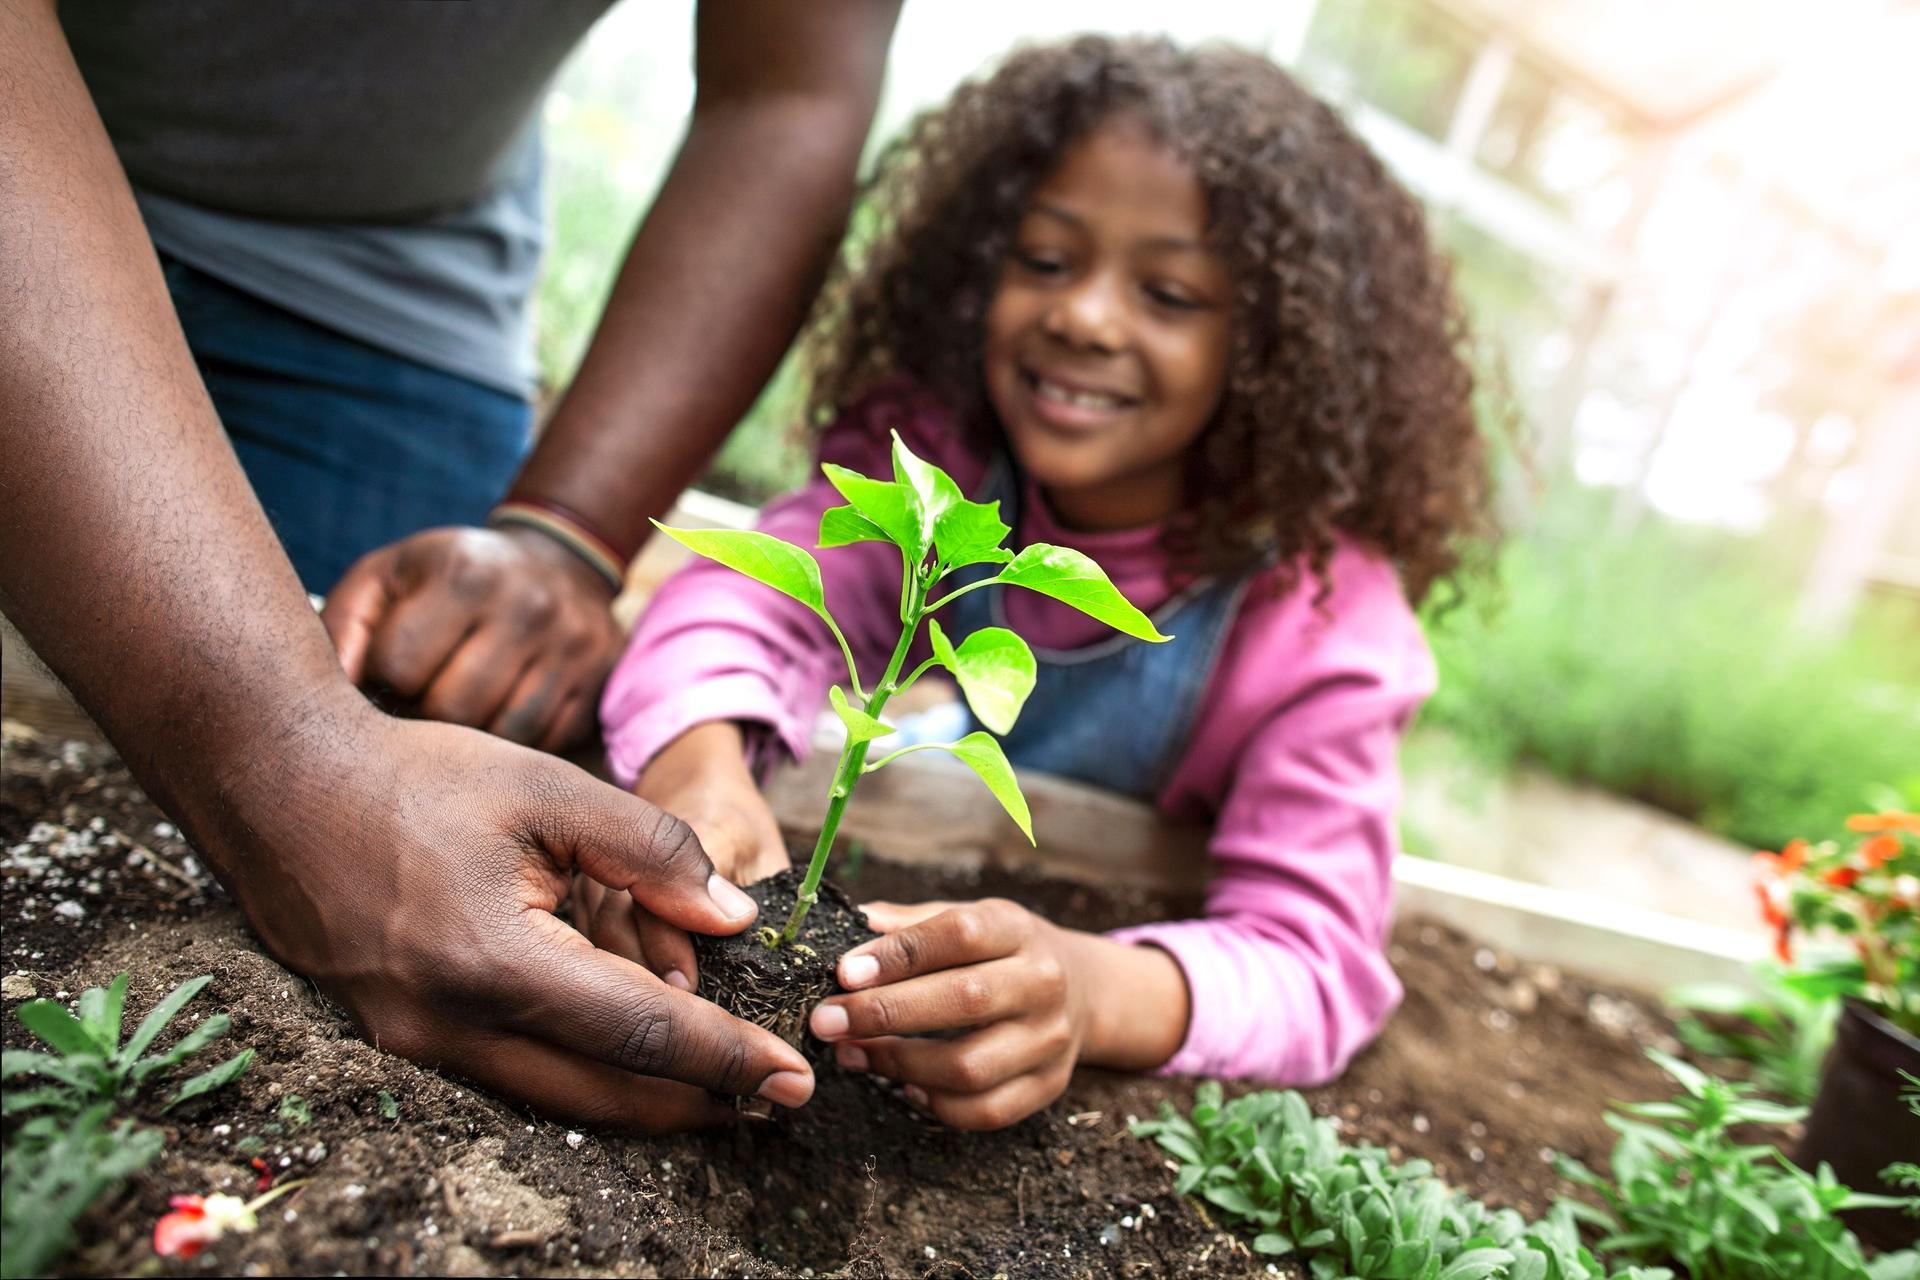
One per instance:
(133,554)
(718,279)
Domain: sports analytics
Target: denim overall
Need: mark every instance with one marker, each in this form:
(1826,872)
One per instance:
(1117,713)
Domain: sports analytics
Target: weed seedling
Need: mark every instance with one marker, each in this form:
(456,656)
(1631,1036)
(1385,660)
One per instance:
(67,1154)
(938,532)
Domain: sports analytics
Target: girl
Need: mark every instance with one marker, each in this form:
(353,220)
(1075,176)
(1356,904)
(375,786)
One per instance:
(1165,308)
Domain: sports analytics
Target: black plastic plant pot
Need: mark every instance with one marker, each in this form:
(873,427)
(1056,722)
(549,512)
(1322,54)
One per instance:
(1860,1124)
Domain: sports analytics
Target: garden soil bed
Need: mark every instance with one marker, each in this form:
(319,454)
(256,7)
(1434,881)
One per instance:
(1488,1064)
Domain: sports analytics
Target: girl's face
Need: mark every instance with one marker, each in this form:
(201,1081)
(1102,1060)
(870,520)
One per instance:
(1110,330)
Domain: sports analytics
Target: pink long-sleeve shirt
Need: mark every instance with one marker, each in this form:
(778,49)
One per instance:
(1293,757)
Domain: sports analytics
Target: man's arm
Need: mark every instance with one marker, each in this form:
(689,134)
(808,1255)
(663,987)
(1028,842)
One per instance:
(410,868)
(717,280)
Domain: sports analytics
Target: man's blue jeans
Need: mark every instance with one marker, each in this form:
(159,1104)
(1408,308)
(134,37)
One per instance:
(349,448)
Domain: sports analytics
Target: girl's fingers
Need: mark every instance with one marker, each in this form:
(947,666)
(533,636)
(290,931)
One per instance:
(957,935)
(664,948)
(966,997)
(998,1107)
(977,1062)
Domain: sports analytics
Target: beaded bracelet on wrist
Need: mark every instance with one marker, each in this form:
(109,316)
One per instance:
(568,530)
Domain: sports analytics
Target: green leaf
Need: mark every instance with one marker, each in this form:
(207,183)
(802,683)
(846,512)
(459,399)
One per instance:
(16,1100)
(971,533)
(861,727)
(1476,1264)
(933,489)
(1074,579)
(212,1078)
(389,1109)
(50,1020)
(840,526)
(193,1042)
(100,1012)
(890,507)
(981,752)
(995,669)
(156,1020)
(1231,1198)
(762,557)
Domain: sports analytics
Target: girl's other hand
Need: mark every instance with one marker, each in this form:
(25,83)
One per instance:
(701,777)
(992,969)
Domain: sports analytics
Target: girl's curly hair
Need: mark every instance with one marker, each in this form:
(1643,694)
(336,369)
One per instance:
(1348,405)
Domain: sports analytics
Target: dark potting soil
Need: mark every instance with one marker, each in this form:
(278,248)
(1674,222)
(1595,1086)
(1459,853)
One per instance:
(777,987)
(1488,1063)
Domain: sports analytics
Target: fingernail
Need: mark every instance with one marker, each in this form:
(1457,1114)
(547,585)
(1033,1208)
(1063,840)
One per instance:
(788,1088)
(858,971)
(851,1056)
(678,980)
(916,1095)
(726,895)
(830,1022)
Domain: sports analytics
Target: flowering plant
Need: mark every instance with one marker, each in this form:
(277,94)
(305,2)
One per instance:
(1865,889)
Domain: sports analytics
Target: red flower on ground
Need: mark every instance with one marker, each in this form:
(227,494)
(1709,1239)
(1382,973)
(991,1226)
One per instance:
(1842,877)
(197,1221)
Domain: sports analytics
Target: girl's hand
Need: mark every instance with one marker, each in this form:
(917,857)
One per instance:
(701,777)
(1006,977)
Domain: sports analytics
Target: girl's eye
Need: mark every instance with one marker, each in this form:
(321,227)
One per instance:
(1039,263)
(1174,298)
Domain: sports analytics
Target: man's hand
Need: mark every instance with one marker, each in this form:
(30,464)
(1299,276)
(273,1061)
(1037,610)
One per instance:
(412,869)
(504,630)
(702,778)
(1014,984)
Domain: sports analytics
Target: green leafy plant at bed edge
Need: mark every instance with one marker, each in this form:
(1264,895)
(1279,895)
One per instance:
(1679,1188)
(938,532)
(1269,1165)
(1782,1026)
(1905,1173)
(65,1155)
(1683,1198)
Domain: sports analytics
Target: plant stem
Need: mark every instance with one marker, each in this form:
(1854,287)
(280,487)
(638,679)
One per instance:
(853,757)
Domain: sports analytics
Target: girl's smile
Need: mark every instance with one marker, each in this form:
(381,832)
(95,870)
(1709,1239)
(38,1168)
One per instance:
(1110,329)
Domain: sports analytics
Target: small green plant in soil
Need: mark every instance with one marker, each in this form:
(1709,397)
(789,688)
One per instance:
(1781,1027)
(1683,1198)
(938,532)
(1680,1189)
(1906,1174)
(1269,1165)
(67,1153)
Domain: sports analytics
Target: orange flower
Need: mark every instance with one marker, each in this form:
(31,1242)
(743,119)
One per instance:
(1868,823)
(1794,856)
(1880,850)
(1782,947)
(1769,909)
(1842,877)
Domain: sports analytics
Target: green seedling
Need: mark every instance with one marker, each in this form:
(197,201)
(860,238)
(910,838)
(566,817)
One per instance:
(938,531)
(295,1112)
(56,1166)
(1269,1166)
(65,1155)
(1783,1029)
(1680,1189)
(89,1063)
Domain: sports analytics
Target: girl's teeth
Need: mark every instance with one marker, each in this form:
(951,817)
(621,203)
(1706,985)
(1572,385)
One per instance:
(1082,399)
